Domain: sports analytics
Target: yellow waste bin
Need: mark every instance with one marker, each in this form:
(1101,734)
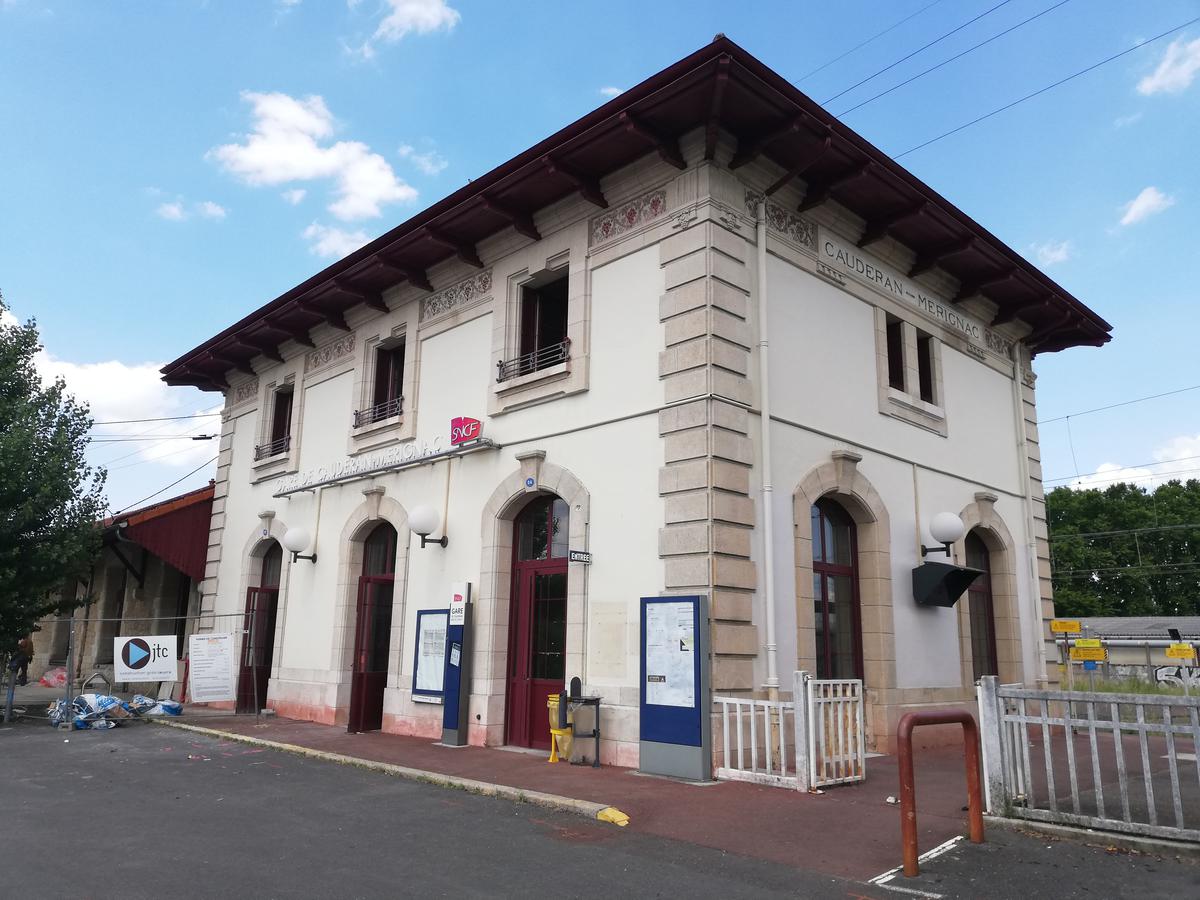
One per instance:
(560,738)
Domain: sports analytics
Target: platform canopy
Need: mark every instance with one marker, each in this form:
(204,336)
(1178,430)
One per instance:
(720,88)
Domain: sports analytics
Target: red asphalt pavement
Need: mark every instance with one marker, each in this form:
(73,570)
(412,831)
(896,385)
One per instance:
(848,831)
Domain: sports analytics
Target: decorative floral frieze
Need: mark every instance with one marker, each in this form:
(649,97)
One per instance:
(792,226)
(327,353)
(466,291)
(247,390)
(627,216)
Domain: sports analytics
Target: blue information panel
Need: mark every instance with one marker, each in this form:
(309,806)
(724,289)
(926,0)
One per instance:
(672,701)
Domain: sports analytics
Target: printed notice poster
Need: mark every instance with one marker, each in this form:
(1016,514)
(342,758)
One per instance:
(210,668)
(431,652)
(671,654)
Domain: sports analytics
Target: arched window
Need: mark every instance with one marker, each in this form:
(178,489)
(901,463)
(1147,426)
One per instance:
(542,530)
(835,592)
(982,613)
(379,551)
(272,565)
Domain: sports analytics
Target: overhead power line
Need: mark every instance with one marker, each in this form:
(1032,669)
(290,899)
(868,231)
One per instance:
(167,488)
(874,37)
(922,49)
(1170,569)
(157,419)
(1124,531)
(165,437)
(1138,466)
(1087,412)
(956,56)
(1048,87)
(1117,479)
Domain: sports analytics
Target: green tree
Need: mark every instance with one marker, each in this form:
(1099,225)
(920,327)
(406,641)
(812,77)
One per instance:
(1125,550)
(50,498)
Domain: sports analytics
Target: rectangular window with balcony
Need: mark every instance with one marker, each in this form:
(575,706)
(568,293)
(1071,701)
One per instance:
(387,398)
(542,338)
(279,437)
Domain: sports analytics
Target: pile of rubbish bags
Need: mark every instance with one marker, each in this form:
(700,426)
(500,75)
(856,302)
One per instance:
(100,711)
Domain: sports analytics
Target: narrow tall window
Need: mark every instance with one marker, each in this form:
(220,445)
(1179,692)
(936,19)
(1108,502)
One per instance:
(895,353)
(543,317)
(925,366)
(836,614)
(982,611)
(281,419)
(387,397)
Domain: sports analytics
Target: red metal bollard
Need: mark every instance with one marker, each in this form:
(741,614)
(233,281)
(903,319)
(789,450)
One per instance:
(908,791)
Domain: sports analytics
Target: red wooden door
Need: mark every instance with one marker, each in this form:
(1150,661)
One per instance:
(372,637)
(537,658)
(258,647)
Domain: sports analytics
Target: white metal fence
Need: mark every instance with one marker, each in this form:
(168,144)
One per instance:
(1118,762)
(819,741)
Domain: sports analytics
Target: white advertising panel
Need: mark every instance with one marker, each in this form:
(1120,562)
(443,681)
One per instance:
(671,654)
(210,668)
(431,652)
(145,658)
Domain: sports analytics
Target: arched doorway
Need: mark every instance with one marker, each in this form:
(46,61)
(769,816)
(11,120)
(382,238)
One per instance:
(373,629)
(982,611)
(258,642)
(837,615)
(537,619)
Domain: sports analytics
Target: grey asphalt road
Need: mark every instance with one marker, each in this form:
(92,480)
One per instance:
(148,812)
(144,811)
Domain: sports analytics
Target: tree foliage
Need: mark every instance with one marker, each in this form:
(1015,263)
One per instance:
(50,498)
(1126,550)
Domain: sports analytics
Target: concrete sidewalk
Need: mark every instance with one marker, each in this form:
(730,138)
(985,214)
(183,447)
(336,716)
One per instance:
(848,831)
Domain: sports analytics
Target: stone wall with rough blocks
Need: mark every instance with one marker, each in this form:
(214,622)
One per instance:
(707,452)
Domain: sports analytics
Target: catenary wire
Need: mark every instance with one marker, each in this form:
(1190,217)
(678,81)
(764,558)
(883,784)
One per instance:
(1124,531)
(874,37)
(1122,403)
(956,56)
(921,49)
(1166,462)
(165,437)
(157,419)
(1135,478)
(1048,87)
(167,488)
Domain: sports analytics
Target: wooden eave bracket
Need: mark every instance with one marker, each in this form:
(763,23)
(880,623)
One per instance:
(713,126)
(299,335)
(667,147)
(267,348)
(588,186)
(754,147)
(1014,310)
(880,228)
(231,362)
(818,192)
(371,299)
(805,163)
(329,316)
(464,250)
(972,288)
(930,260)
(521,221)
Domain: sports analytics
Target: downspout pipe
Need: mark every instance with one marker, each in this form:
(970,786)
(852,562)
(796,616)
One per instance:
(764,424)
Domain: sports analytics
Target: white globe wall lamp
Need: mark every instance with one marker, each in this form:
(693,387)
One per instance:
(424,521)
(946,528)
(295,540)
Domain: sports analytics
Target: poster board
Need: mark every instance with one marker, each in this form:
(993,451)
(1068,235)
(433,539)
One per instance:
(430,659)
(671,676)
(211,675)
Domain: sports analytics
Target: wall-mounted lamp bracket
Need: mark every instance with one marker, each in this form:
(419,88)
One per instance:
(426,539)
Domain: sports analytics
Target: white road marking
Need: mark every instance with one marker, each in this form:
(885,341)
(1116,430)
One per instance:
(882,880)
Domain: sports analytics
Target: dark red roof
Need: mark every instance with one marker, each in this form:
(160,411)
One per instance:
(720,87)
(175,530)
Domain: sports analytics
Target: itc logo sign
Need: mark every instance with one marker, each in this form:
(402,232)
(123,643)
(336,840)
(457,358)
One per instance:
(463,429)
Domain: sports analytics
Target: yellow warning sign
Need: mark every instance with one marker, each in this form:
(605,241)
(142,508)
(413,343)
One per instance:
(1065,626)
(1092,643)
(1181,651)
(1086,653)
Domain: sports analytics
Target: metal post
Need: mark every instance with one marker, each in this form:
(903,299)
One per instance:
(12,687)
(990,728)
(70,659)
(800,699)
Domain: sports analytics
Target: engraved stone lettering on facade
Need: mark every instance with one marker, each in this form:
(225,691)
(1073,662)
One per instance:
(458,294)
(326,354)
(247,390)
(628,216)
(784,222)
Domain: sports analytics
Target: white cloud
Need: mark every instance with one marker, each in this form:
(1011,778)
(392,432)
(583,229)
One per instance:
(1126,121)
(294,195)
(1179,458)
(1112,473)
(286,146)
(1051,253)
(406,17)
(172,212)
(430,163)
(333,242)
(1176,70)
(611,91)
(210,210)
(1149,202)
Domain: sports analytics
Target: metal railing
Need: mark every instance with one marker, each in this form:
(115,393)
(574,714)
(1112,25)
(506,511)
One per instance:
(535,361)
(377,413)
(273,448)
(837,748)
(1074,757)
(755,741)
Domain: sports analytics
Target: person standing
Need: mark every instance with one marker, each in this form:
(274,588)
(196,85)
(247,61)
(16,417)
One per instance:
(22,659)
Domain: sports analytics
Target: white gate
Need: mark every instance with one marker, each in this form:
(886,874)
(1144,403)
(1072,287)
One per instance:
(816,742)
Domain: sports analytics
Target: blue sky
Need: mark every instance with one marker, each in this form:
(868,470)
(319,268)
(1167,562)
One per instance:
(144,204)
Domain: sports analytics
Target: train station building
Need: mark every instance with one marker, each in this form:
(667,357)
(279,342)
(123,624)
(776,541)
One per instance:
(706,340)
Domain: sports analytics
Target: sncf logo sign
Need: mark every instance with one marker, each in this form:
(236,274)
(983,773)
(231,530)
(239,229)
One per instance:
(463,429)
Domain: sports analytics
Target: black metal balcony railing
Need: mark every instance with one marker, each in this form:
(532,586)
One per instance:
(378,412)
(533,362)
(274,448)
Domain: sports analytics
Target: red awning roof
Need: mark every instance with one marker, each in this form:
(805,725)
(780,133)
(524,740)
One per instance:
(722,88)
(175,530)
